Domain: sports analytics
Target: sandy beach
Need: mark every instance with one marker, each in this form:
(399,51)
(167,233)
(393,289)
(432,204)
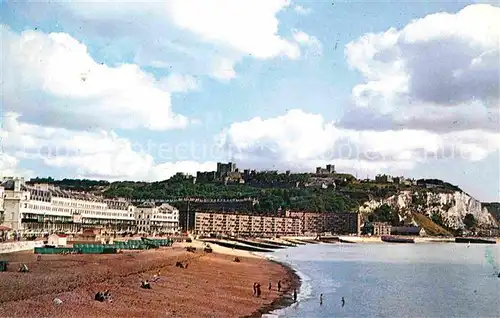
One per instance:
(212,285)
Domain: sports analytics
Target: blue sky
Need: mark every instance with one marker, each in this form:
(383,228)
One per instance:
(270,84)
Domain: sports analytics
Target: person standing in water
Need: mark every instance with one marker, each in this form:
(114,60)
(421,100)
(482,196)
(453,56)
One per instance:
(343,301)
(321,299)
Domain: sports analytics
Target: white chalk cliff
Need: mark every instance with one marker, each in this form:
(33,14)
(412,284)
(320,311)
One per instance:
(451,206)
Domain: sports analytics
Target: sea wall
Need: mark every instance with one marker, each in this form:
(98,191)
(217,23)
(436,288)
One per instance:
(12,247)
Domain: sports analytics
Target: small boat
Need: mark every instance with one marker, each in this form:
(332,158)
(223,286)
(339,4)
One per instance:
(395,239)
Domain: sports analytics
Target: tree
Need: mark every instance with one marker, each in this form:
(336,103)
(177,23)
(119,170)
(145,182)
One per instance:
(383,213)
(470,221)
(437,218)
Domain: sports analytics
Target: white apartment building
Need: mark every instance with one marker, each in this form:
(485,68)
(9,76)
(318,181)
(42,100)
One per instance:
(157,219)
(45,208)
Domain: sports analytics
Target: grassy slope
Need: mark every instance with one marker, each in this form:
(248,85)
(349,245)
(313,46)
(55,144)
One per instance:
(430,227)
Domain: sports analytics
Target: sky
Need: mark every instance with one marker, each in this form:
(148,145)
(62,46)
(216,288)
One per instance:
(140,91)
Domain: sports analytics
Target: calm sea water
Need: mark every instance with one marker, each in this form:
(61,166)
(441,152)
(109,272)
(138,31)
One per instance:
(395,280)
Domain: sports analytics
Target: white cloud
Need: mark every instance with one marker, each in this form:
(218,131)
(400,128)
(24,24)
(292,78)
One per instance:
(193,37)
(438,73)
(430,95)
(248,26)
(166,170)
(303,140)
(302,10)
(9,166)
(51,79)
(311,43)
(176,83)
(98,154)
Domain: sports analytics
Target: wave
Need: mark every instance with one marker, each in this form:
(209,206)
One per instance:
(305,290)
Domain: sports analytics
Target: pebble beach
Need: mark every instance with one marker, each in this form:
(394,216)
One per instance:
(212,285)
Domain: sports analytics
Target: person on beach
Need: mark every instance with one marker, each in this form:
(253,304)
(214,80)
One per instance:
(279,285)
(270,286)
(23,268)
(99,296)
(295,295)
(107,295)
(145,284)
(258,289)
(343,301)
(255,289)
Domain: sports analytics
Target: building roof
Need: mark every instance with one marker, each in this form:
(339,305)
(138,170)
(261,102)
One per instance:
(48,191)
(406,229)
(379,224)
(8,184)
(59,235)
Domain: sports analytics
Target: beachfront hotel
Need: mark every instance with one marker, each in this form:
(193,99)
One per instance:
(246,224)
(42,208)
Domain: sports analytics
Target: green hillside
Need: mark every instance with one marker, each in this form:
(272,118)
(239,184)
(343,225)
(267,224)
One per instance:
(274,190)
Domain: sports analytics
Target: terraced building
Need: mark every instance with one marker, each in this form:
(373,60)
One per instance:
(42,208)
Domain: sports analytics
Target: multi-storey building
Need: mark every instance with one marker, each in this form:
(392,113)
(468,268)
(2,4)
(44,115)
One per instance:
(157,219)
(381,228)
(188,208)
(246,224)
(45,208)
(334,222)
(344,223)
(312,222)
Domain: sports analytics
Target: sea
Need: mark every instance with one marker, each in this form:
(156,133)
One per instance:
(394,280)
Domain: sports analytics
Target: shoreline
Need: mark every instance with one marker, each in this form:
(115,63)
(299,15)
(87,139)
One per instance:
(286,299)
(212,280)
